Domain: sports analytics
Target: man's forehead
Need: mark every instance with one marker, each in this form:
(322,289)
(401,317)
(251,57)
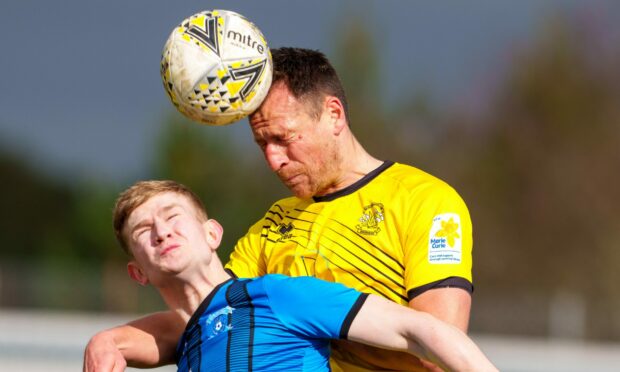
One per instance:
(157,203)
(277,122)
(279,102)
(269,128)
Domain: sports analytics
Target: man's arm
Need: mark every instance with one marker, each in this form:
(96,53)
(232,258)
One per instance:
(452,305)
(385,324)
(146,342)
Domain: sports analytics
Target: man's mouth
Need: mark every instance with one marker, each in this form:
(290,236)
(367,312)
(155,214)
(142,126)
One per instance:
(168,249)
(289,180)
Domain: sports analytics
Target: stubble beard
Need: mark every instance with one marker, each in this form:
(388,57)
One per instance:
(323,178)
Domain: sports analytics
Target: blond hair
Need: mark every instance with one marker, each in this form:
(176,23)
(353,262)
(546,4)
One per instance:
(139,193)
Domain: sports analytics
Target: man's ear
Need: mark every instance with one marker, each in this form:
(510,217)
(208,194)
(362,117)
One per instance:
(335,111)
(136,273)
(214,231)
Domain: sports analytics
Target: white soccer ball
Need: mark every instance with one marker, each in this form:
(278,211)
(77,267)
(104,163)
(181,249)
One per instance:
(216,67)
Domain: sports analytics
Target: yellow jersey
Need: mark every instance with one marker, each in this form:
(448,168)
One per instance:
(395,233)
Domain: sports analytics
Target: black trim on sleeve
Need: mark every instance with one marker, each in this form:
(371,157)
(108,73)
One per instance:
(348,320)
(450,282)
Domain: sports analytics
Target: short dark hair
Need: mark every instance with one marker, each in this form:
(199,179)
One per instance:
(309,76)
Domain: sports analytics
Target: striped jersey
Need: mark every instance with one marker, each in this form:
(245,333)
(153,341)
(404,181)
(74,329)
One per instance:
(396,233)
(271,323)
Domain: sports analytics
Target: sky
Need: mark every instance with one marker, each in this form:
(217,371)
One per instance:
(81,96)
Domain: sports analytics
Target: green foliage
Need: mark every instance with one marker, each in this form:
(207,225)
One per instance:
(539,173)
(357,65)
(545,177)
(91,224)
(33,207)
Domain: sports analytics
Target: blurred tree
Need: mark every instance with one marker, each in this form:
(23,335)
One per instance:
(539,172)
(403,128)
(544,180)
(44,261)
(356,61)
(35,209)
(91,223)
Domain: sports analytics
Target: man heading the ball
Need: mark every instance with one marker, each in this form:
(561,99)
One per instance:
(376,226)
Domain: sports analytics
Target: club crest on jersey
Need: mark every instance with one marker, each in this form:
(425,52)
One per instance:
(285,231)
(217,322)
(371,218)
(444,243)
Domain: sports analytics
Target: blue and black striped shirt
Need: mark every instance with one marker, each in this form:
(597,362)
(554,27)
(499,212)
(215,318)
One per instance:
(271,323)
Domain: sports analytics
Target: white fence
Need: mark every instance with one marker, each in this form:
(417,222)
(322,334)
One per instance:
(50,342)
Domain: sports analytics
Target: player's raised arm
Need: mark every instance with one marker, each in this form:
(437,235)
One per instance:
(146,342)
(385,324)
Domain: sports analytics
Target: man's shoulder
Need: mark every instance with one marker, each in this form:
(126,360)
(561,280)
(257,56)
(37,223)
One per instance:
(268,282)
(277,290)
(279,283)
(415,179)
(289,202)
(281,279)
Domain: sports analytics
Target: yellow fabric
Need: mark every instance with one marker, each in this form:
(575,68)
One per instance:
(379,238)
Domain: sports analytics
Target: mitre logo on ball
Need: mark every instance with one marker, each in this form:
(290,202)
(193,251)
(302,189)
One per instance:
(216,67)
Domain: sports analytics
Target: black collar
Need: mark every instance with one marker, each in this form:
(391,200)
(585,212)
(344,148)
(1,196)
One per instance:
(205,303)
(355,186)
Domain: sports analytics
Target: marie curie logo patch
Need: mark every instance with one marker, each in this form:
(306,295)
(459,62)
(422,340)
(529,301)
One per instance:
(444,241)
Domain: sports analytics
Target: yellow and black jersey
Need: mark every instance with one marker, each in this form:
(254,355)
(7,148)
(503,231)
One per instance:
(396,232)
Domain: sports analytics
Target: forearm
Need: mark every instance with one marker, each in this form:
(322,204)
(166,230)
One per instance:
(140,348)
(387,325)
(451,305)
(102,354)
(145,342)
(121,345)
(380,359)
(445,345)
(150,341)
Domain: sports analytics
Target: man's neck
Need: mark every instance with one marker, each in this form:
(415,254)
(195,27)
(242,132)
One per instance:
(184,296)
(355,165)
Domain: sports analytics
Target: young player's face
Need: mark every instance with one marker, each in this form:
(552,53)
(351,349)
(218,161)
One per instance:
(298,147)
(166,236)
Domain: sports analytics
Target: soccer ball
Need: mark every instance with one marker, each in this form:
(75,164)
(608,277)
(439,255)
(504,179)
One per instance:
(216,67)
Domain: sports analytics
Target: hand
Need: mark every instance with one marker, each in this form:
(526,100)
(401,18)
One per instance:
(102,355)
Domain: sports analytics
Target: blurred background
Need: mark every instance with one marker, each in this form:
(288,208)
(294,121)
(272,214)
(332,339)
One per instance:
(515,104)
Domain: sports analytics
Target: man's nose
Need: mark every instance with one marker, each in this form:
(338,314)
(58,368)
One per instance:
(161,230)
(276,156)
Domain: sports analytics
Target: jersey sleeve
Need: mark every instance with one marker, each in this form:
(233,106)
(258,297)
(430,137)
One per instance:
(314,307)
(438,246)
(247,259)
